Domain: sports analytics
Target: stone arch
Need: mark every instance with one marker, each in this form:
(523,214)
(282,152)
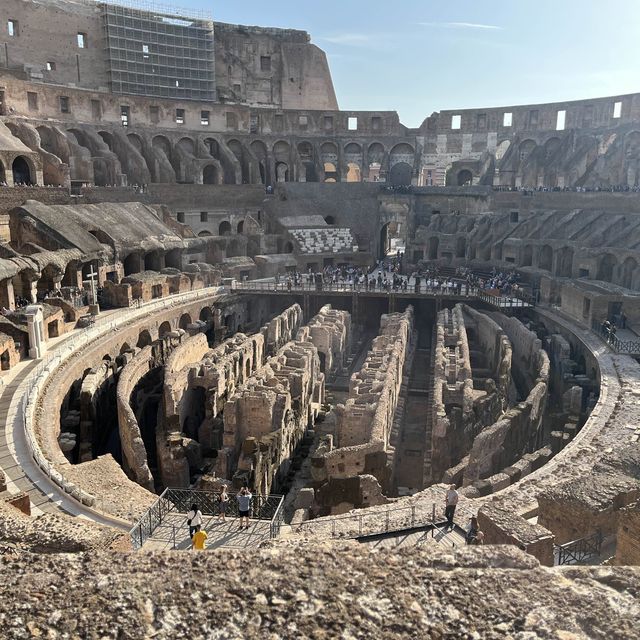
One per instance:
(225,228)
(330,220)
(288,247)
(136,142)
(144,339)
(206,315)
(461,247)
(185,321)
(402,153)
(464,178)
(240,227)
(161,143)
(204,234)
(526,148)
(131,264)
(353,149)
(401,174)
(211,175)
(23,170)
(153,261)
(213,147)
(238,151)
(527,256)
(282,172)
(164,329)
(564,262)
(124,348)
(259,150)
(606,266)
(354,174)
(502,149)
(187,145)
(551,147)
(545,258)
(3,175)
(306,153)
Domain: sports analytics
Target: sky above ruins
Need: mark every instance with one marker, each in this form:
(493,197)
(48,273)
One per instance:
(419,56)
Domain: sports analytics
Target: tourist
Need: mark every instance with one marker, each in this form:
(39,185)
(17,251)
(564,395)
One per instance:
(194,519)
(223,502)
(244,505)
(451,501)
(198,539)
(472,530)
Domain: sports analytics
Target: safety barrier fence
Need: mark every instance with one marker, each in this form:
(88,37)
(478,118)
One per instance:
(579,551)
(36,380)
(631,347)
(268,508)
(367,523)
(520,300)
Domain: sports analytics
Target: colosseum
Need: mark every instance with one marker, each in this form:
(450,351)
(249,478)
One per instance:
(417,348)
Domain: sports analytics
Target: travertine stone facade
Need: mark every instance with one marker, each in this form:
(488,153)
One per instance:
(356,470)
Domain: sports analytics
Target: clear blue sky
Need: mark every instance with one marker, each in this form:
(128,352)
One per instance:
(420,56)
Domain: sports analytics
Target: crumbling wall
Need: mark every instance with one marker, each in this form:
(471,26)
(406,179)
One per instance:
(134,454)
(364,423)
(330,332)
(266,418)
(518,431)
(282,329)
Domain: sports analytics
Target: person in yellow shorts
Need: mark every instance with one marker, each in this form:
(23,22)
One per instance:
(198,540)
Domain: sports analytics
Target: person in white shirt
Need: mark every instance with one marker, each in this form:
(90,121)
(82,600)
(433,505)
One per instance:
(194,519)
(451,501)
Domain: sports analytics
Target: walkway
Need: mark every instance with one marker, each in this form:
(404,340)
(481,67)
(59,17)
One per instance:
(419,536)
(173,533)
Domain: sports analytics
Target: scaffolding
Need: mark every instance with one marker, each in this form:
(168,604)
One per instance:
(154,51)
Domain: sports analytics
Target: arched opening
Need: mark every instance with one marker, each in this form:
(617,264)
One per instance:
(3,175)
(185,321)
(225,228)
(465,178)
(144,339)
(434,243)
(153,261)
(461,247)
(545,261)
(204,234)
(21,171)
(629,267)
(124,348)
(47,281)
(210,175)
(164,329)
(282,172)
(330,220)
(330,172)
(288,247)
(606,266)
(564,262)
(400,174)
(527,256)
(172,259)
(353,173)
(240,227)
(131,264)
(206,315)
(526,149)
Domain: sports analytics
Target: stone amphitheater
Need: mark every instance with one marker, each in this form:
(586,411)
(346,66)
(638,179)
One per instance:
(211,276)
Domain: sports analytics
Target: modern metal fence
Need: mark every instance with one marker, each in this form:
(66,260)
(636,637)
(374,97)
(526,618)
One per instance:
(579,551)
(268,508)
(367,523)
(631,347)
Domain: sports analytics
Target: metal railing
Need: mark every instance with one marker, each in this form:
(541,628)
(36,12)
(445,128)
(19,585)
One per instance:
(579,551)
(519,300)
(371,523)
(631,347)
(36,380)
(268,508)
